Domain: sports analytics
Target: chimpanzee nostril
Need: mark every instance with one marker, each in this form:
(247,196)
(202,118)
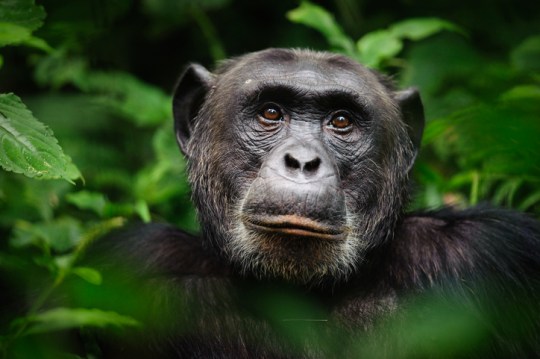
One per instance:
(299,162)
(305,167)
(291,162)
(312,166)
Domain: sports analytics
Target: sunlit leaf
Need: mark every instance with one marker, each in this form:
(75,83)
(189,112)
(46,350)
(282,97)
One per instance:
(135,100)
(60,235)
(320,19)
(18,19)
(526,56)
(141,208)
(505,193)
(377,46)
(88,200)
(522,92)
(23,13)
(530,201)
(420,28)
(13,33)
(57,70)
(29,147)
(71,318)
(90,275)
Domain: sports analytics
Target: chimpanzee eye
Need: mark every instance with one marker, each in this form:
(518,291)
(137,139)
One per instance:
(340,121)
(270,113)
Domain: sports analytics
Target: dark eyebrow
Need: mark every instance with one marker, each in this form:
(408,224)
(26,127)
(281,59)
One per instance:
(283,93)
(325,96)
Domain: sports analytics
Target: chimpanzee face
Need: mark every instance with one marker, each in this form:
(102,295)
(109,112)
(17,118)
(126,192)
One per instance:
(298,160)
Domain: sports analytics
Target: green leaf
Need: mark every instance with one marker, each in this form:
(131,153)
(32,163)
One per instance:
(526,57)
(37,43)
(522,92)
(13,33)
(90,275)
(70,318)
(141,208)
(57,70)
(29,147)
(60,235)
(377,46)
(18,19)
(23,13)
(320,19)
(144,104)
(88,201)
(420,28)
(121,92)
(531,200)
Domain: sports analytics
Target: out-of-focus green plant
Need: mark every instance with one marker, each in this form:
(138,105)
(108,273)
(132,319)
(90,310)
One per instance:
(375,49)
(46,243)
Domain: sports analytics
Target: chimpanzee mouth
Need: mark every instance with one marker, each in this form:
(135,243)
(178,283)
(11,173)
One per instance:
(294,226)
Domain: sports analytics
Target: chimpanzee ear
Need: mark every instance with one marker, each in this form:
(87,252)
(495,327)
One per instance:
(412,112)
(188,97)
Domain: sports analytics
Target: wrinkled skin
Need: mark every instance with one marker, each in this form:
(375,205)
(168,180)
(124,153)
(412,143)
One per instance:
(296,197)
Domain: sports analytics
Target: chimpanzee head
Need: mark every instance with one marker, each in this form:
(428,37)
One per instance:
(298,160)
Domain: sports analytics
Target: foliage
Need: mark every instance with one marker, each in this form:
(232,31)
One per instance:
(374,48)
(28,146)
(99,74)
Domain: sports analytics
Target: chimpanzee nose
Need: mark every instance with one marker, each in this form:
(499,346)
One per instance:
(302,162)
(299,161)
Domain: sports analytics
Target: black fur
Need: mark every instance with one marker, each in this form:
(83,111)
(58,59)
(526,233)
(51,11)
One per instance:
(293,289)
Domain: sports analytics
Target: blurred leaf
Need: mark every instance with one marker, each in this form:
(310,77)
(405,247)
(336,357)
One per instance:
(60,235)
(522,92)
(320,19)
(90,275)
(165,177)
(433,328)
(526,56)
(72,318)
(436,65)
(135,100)
(13,33)
(22,198)
(141,208)
(23,13)
(18,19)
(28,146)
(505,193)
(121,92)
(530,201)
(88,200)
(420,28)
(57,70)
(488,136)
(165,146)
(377,46)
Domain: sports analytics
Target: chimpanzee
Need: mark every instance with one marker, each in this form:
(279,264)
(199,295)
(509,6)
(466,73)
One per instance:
(299,162)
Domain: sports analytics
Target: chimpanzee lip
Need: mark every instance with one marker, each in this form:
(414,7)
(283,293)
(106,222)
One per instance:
(294,225)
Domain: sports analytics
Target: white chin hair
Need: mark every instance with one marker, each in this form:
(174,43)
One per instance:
(269,255)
